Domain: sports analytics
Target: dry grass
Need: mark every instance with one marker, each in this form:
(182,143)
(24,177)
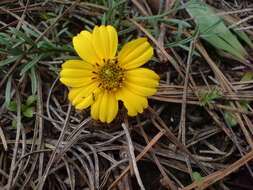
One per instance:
(181,133)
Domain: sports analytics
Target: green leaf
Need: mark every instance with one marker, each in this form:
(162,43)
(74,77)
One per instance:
(188,49)
(230,119)
(228,116)
(23,107)
(29,31)
(213,30)
(12,106)
(9,60)
(128,30)
(30,100)
(14,51)
(248,76)
(177,8)
(244,37)
(34,81)
(4,52)
(67,57)
(8,90)
(210,96)
(176,21)
(30,64)
(23,36)
(28,112)
(196,176)
(14,124)
(231,21)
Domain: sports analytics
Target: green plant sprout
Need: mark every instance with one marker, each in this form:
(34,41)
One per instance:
(228,116)
(27,108)
(208,98)
(196,176)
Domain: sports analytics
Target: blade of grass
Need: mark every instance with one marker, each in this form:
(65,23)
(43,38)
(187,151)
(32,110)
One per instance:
(213,30)
(9,60)
(30,64)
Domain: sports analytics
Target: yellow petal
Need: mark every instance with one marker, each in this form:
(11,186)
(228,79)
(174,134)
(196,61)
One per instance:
(140,90)
(76,82)
(113,39)
(95,108)
(76,73)
(85,102)
(105,107)
(141,81)
(130,46)
(146,82)
(84,48)
(105,41)
(143,73)
(134,103)
(76,95)
(76,64)
(135,53)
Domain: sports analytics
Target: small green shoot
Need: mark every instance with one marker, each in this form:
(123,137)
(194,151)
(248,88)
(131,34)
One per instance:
(208,98)
(228,116)
(196,176)
(27,109)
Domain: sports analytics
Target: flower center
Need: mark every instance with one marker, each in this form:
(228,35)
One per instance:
(111,75)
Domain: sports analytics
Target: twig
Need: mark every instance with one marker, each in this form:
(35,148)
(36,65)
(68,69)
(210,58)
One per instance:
(133,160)
(145,150)
(51,160)
(216,176)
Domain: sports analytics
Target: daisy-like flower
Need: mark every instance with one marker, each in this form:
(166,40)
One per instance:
(102,78)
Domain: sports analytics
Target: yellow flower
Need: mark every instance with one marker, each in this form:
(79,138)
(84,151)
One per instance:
(102,78)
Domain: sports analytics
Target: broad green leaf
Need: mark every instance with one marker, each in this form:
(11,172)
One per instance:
(230,21)
(12,106)
(231,121)
(28,112)
(196,176)
(14,124)
(30,100)
(244,37)
(248,76)
(213,30)
(228,116)
(23,107)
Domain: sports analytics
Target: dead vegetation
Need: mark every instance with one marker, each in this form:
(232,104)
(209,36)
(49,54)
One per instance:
(196,133)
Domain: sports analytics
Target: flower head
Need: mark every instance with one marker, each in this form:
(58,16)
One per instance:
(102,78)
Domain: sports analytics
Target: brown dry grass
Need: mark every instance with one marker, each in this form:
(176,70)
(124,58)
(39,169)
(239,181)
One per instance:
(61,148)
